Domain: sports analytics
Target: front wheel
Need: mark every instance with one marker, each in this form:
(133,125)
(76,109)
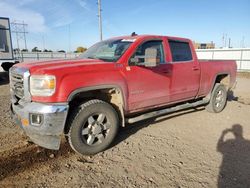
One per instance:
(218,99)
(93,127)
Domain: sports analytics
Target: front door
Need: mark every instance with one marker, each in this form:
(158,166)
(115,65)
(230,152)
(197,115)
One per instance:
(148,86)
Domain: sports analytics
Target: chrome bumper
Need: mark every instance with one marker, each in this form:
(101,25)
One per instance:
(48,133)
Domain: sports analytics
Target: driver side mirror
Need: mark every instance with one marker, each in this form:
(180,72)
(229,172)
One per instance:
(151,59)
(148,60)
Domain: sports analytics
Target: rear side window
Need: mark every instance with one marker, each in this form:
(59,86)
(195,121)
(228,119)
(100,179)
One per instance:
(180,51)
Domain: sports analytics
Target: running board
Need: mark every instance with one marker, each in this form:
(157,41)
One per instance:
(166,111)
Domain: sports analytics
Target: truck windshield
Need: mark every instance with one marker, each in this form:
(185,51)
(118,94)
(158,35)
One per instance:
(109,50)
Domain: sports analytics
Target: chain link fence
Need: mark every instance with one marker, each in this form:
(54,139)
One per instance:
(36,56)
(240,55)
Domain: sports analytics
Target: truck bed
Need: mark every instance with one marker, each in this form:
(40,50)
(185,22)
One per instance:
(209,71)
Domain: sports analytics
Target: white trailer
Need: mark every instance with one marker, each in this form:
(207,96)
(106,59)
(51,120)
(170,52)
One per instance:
(6,51)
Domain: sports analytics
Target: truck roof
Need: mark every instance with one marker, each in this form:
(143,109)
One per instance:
(150,36)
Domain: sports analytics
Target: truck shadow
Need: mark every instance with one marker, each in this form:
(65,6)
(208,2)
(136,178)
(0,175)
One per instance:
(130,129)
(18,160)
(235,166)
(4,78)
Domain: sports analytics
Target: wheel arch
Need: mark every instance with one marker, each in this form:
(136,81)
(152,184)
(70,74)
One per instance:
(222,77)
(112,94)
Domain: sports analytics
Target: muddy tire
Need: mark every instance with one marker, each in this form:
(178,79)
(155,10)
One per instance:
(93,127)
(218,99)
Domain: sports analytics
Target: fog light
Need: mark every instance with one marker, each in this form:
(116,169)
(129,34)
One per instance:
(36,119)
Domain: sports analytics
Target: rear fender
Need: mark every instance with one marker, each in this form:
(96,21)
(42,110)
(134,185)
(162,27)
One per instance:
(225,80)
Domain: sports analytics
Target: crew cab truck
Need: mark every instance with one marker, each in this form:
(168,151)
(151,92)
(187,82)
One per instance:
(115,82)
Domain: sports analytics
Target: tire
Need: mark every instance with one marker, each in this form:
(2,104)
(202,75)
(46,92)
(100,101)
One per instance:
(93,127)
(218,99)
(7,65)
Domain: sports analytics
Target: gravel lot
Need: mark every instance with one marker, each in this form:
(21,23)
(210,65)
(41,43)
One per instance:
(183,149)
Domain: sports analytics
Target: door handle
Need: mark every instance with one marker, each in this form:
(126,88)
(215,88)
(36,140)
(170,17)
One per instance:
(195,68)
(166,71)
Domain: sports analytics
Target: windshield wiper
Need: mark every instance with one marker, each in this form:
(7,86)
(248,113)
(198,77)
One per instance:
(100,58)
(92,57)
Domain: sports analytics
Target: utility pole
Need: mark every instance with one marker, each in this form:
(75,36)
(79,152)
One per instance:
(24,35)
(43,42)
(242,45)
(100,18)
(19,28)
(225,45)
(223,37)
(69,39)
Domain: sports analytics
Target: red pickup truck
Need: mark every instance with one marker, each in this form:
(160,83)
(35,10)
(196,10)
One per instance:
(115,82)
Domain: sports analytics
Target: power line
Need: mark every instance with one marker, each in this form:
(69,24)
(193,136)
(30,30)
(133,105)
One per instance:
(19,28)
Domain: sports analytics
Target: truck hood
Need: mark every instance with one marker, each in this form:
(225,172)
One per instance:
(44,66)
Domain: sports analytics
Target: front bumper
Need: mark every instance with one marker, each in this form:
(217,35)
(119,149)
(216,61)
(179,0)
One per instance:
(48,133)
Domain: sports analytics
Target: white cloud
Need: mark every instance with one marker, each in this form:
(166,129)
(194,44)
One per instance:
(65,12)
(83,4)
(35,21)
(25,2)
(58,15)
(55,13)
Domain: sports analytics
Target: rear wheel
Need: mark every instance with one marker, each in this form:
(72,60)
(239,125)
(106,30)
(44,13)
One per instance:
(218,99)
(93,127)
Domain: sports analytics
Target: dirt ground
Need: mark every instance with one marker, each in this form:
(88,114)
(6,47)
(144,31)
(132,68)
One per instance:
(183,149)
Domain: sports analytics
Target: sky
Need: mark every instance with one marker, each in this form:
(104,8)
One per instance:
(67,24)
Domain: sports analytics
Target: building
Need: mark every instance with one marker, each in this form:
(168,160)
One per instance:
(204,45)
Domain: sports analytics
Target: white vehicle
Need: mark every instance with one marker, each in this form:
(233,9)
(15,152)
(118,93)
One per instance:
(6,51)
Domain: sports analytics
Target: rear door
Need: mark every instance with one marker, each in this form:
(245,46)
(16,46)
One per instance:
(185,71)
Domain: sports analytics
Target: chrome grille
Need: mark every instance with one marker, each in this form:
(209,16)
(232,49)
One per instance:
(17,84)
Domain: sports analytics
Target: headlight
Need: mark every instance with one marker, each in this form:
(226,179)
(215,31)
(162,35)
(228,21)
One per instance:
(42,85)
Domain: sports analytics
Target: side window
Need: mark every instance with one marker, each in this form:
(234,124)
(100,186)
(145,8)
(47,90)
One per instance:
(140,52)
(180,51)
